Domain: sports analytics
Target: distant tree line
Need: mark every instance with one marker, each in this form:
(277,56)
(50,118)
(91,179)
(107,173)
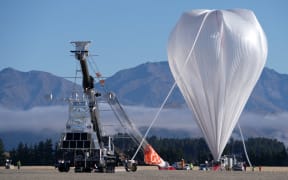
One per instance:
(42,153)
(2,149)
(261,151)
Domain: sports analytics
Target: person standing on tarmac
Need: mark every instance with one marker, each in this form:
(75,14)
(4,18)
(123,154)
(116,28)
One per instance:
(18,164)
(191,166)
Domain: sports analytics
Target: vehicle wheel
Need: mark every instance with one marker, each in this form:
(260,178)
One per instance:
(102,170)
(64,169)
(134,168)
(78,169)
(110,169)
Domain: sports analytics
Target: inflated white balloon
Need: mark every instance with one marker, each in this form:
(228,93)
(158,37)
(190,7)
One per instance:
(216,58)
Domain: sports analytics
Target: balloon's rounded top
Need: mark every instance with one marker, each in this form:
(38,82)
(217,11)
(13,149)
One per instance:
(216,58)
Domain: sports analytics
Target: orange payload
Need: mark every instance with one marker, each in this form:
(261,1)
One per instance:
(150,156)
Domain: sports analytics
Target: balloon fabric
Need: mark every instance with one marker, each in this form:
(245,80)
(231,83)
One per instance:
(216,58)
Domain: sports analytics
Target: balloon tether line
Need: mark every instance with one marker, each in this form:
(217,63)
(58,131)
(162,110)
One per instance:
(171,89)
(244,146)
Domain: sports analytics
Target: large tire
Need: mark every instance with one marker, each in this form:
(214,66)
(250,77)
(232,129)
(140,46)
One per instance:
(64,167)
(110,169)
(102,170)
(79,169)
(134,168)
(88,170)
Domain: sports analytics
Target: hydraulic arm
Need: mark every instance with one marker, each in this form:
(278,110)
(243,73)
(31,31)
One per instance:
(81,54)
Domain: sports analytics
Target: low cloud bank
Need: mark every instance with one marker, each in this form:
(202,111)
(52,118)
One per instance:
(36,119)
(272,126)
(54,118)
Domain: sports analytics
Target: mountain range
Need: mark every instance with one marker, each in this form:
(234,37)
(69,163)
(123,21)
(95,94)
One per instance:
(25,90)
(146,85)
(30,115)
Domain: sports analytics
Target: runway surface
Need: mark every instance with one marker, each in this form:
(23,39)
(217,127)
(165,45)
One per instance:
(144,173)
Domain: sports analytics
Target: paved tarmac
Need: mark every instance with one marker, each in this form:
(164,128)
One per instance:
(144,173)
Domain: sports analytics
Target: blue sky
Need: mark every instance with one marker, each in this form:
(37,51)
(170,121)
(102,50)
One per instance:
(35,34)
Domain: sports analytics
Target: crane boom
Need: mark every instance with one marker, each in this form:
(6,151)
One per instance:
(81,54)
(83,142)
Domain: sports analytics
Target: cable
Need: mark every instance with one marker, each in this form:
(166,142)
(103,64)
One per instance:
(244,146)
(155,118)
(96,66)
(116,107)
(173,86)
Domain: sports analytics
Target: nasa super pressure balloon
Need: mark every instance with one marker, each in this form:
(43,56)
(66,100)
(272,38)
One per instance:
(216,58)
